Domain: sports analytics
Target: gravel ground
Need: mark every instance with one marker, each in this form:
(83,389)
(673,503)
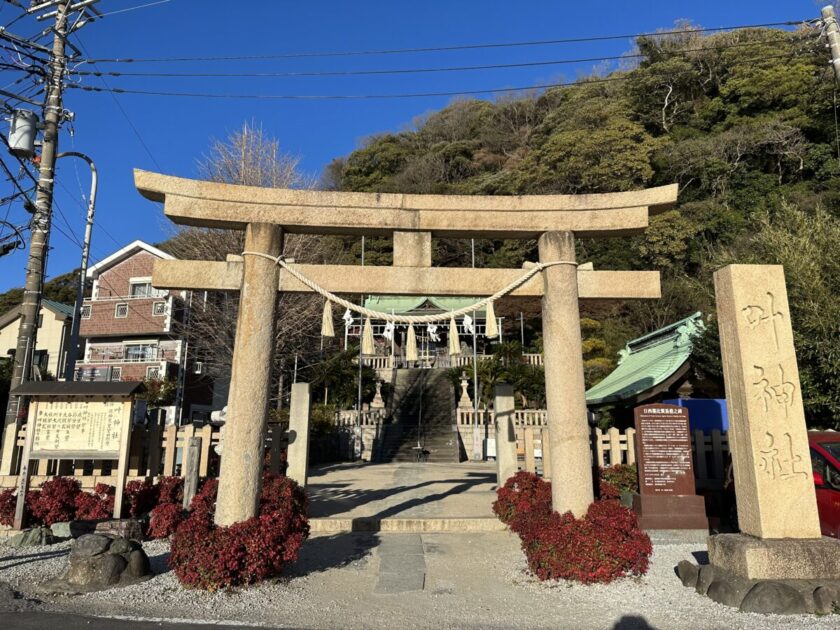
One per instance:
(472,581)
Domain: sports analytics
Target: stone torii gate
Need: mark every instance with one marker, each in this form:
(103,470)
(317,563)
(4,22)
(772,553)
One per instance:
(267,214)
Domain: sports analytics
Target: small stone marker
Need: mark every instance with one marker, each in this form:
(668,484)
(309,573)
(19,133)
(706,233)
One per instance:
(506,462)
(191,474)
(666,498)
(298,453)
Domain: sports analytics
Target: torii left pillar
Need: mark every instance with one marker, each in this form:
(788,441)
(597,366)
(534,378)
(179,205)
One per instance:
(565,392)
(240,476)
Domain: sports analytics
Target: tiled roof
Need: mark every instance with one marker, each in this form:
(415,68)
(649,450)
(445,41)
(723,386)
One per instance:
(407,304)
(648,361)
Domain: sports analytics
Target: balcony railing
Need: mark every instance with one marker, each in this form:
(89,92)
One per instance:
(121,354)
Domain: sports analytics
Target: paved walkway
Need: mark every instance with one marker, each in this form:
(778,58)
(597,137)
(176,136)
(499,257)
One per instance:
(380,491)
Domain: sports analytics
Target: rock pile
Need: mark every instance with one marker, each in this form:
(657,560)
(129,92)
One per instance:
(781,597)
(101,561)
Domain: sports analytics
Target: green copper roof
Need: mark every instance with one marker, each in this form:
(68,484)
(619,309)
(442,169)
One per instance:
(648,361)
(408,304)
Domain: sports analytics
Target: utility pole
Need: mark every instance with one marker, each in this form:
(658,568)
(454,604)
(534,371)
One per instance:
(832,31)
(41,221)
(72,350)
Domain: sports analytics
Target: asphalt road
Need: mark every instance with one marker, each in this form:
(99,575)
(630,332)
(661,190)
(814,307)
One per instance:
(33,620)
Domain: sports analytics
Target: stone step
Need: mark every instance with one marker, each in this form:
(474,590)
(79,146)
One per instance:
(405,525)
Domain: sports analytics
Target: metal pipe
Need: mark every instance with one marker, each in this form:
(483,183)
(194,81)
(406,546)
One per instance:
(72,349)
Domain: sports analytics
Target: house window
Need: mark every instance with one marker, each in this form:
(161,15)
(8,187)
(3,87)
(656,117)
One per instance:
(86,310)
(121,310)
(159,308)
(153,372)
(143,289)
(139,352)
(116,373)
(40,319)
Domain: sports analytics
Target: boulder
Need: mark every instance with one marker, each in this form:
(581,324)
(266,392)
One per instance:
(90,545)
(826,599)
(124,527)
(97,572)
(705,576)
(774,597)
(729,590)
(138,564)
(34,537)
(61,530)
(688,572)
(98,562)
(120,546)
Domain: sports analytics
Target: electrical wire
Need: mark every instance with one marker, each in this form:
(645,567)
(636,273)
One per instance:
(316,97)
(399,51)
(125,114)
(126,10)
(348,73)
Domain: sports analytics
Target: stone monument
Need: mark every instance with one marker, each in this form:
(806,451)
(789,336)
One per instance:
(779,550)
(774,486)
(666,498)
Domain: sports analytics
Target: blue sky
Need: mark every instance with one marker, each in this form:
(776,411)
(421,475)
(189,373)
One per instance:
(178,131)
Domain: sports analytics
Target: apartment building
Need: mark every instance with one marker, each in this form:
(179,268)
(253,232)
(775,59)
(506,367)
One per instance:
(131,330)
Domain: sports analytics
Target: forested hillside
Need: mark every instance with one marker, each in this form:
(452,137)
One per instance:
(745,122)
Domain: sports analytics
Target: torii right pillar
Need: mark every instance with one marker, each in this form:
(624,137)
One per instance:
(565,392)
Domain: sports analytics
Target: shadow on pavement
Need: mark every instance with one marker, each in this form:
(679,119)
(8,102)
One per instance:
(331,499)
(333,552)
(633,622)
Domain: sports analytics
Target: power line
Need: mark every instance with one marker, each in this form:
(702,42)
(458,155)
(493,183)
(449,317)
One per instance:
(125,114)
(400,51)
(126,10)
(317,97)
(344,73)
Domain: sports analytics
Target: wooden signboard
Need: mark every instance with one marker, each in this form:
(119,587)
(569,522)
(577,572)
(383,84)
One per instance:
(664,444)
(77,421)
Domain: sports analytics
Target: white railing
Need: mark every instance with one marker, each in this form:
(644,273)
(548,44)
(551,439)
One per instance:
(532,358)
(348,417)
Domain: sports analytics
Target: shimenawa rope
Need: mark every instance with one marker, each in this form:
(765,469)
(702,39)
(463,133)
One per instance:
(410,319)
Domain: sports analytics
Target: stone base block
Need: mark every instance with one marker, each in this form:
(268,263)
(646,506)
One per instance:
(776,559)
(670,511)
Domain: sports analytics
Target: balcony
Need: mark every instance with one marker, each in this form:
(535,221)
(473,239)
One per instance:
(130,353)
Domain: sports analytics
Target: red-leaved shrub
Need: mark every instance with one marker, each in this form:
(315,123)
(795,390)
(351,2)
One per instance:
(522,494)
(170,490)
(164,520)
(622,477)
(605,544)
(55,502)
(96,505)
(209,557)
(141,496)
(607,491)
(8,500)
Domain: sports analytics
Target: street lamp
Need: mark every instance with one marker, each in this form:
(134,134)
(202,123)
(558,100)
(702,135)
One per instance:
(70,364)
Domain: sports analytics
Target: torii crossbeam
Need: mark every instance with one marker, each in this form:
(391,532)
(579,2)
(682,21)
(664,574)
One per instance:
(266,214)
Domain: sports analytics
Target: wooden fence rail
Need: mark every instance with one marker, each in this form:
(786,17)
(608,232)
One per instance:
(163,450)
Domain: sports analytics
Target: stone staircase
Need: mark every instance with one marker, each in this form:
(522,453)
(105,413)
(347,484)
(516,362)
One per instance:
(421,415)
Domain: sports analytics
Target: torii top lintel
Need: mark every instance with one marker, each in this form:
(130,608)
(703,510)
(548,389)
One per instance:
(210,204)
